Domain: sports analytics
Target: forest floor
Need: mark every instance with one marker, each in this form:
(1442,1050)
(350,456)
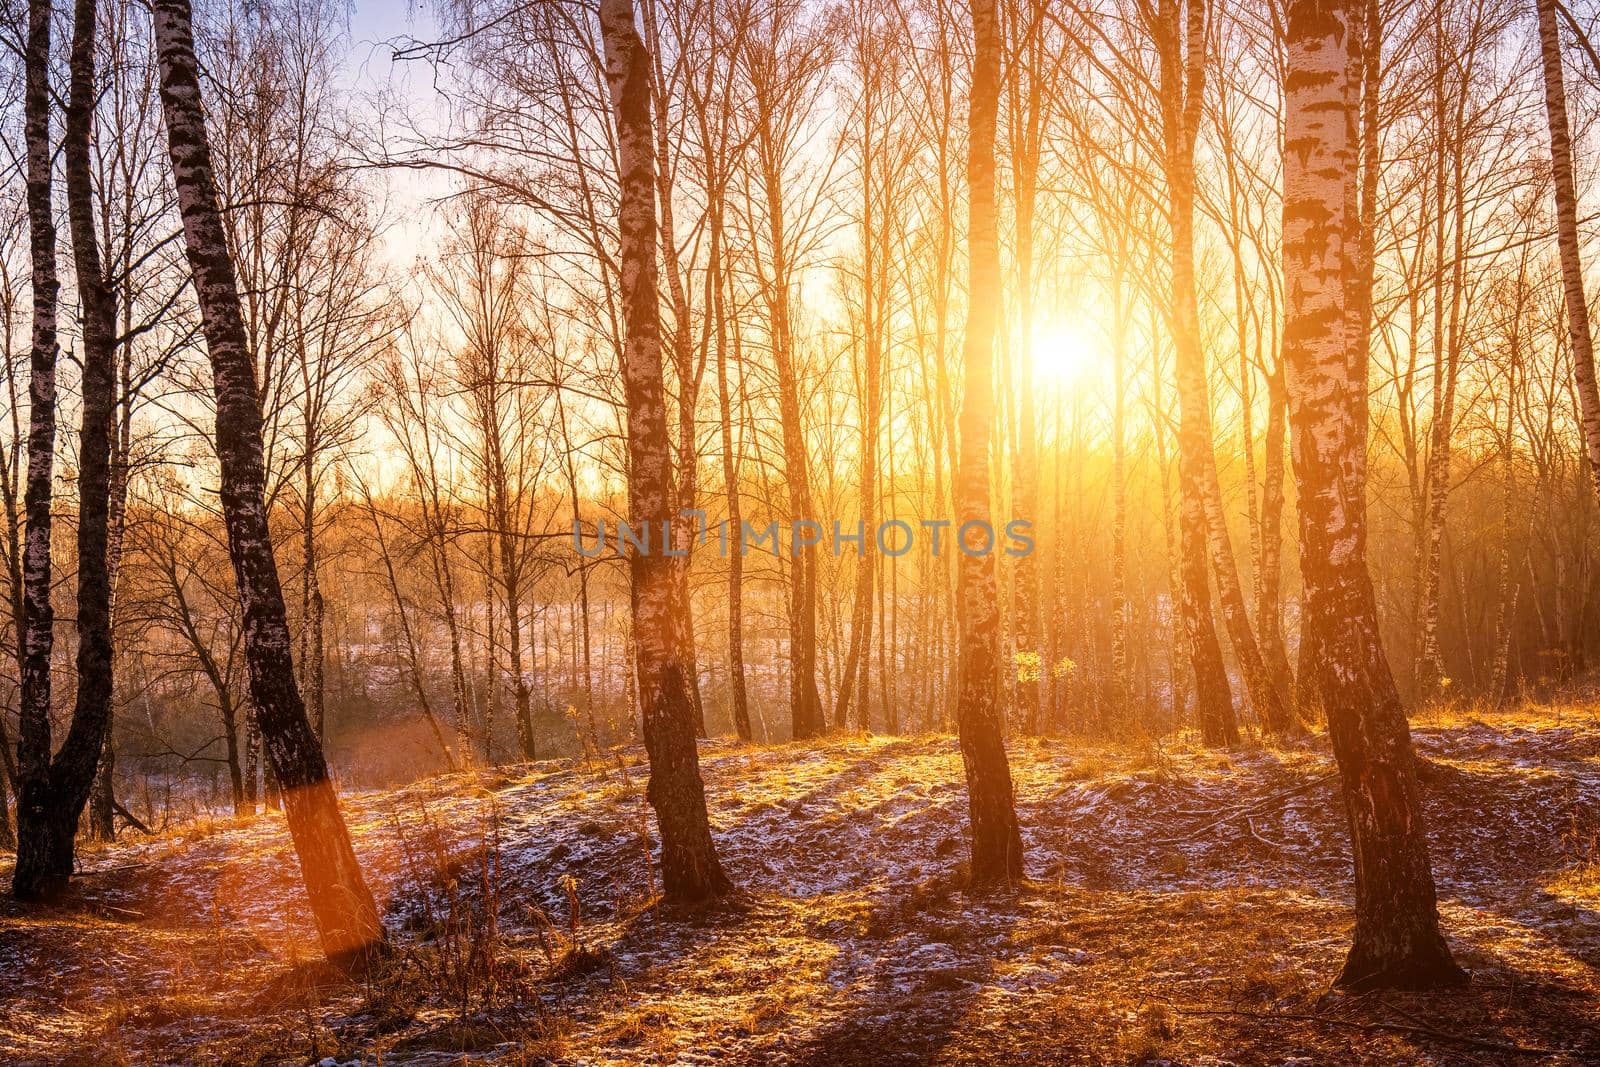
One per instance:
(1183,906)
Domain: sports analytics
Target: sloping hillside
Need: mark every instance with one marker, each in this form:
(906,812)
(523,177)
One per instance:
(1183,905)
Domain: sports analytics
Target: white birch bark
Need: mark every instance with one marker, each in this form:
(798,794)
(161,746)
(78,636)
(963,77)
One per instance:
(346,915)
(1566,192)
(1397,942)
(690,869)
(32,876)
(995,839)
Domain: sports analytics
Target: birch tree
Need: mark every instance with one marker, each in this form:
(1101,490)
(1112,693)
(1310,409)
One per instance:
(344,910)
(1579,334)
(1397,942)
(783,60)
(996,841)
(1203,529)
(39,871)
(690,869)
(97,303)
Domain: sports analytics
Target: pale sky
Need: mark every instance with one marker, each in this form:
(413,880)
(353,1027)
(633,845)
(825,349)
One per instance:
(375,27)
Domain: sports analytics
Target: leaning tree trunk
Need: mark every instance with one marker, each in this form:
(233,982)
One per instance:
(738,696)
(1397,942)
(690,869)
(1578,331)
(60,787)
(805,702)
(74,770)
(995,838)
(35,874)
(1183,87)
(1213,694)
(346,915)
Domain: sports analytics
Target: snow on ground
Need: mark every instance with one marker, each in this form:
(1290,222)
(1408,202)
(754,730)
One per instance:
(1183,905)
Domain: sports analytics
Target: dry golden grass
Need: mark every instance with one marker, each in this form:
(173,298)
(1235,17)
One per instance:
(521,905)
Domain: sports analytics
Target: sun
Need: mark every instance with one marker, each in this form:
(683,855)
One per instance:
(1065,352)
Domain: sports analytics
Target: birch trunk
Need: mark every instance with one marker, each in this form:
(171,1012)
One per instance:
(46,826)
(490,695)
(345,913)
(1203,523)
(858,658)
(102,800)
(570,467)
(8,835)
(1122,690)
(36,874)
(995,838)
(689,368)
(444,580)
(1027,125)
(230,733)
(1213,694)
(438,524)
(75,765)
(511,578)
(805,703)
(10,503)
(690,869)
(253,786)
(1578,328)
(312,608)
(738,696)
(1397,942)
(1269,589)
(1505,612)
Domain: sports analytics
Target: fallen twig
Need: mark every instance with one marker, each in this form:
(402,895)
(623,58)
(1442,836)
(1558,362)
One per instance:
(1281,847)
(109,870)
(1397,1028)
(131,819)
(1257,808)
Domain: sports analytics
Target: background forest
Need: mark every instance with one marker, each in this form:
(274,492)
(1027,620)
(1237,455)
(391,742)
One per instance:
(426,251)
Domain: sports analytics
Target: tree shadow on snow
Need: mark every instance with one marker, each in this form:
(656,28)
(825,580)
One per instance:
(909,996)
